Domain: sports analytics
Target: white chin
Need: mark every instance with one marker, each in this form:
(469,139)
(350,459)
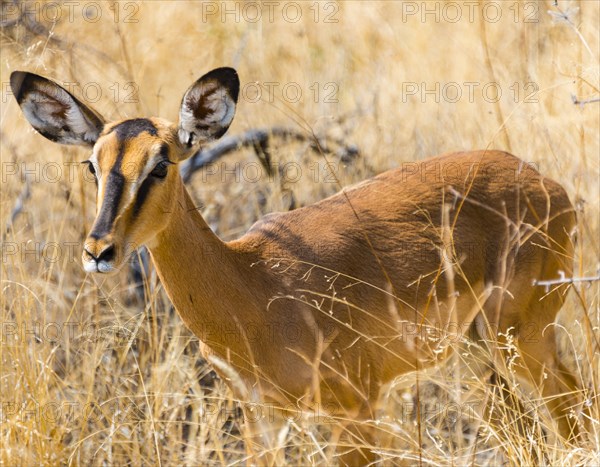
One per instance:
(101,268)
(89,266)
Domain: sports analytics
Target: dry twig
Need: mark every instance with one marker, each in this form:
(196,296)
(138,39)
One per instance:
(259,139)
(20,203)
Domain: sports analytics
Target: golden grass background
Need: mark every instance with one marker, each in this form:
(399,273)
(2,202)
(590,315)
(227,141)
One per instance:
(92,375)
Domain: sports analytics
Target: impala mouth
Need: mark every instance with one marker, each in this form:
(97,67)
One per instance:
(99,267)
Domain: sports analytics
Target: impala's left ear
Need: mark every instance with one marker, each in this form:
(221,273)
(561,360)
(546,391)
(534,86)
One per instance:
(208,107)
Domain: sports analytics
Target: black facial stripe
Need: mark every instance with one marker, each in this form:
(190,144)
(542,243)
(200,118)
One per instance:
(110,205)
(164,151)
(131,128)
(115,182)
(142,195)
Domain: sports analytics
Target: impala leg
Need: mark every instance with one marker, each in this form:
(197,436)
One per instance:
(356,443)
(265,438)
(558,385)
(538,367)
(540,351)
(528,312)
(540,370)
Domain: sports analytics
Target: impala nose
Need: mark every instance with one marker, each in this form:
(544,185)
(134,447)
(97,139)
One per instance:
(98,262)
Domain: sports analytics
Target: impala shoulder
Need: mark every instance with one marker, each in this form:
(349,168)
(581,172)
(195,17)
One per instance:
(265,230)
(268,221)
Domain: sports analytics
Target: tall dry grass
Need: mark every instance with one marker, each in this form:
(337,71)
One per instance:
(93,375)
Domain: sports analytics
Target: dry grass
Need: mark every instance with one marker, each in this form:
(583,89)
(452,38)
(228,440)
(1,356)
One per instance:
(92,375)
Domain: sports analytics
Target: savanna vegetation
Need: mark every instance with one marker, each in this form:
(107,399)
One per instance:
(102,371)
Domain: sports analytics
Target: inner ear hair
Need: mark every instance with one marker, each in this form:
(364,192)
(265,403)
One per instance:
(54,112)
(208,107)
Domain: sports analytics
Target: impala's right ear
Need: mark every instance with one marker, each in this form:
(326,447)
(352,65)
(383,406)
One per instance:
(54,112)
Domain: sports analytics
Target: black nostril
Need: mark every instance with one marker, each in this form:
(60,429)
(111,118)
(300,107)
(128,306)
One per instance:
(107,254)
(89,253)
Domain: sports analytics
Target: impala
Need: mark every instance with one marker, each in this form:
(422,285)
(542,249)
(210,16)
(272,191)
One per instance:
(330,302)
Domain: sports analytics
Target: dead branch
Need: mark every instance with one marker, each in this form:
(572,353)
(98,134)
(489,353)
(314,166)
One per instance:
(27,19)
(566,280)
(259,139)
(20,203)
(577,101)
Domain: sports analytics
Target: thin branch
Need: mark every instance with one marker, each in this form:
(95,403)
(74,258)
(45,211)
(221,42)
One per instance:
(565,280)
(259,139)
(28,20)
(567,17)
(576,100)
(20,203)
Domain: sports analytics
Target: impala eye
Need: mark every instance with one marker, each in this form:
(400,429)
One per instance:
(160,171)
(90,167)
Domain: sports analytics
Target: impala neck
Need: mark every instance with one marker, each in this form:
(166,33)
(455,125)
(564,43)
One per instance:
(210,283)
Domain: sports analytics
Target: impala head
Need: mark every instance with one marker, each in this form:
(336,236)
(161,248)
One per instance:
(133,161)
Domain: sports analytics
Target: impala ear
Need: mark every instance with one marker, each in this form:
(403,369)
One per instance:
(208,107)
(54,112)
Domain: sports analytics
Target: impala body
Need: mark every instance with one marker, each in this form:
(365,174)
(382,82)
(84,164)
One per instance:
(328,303)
